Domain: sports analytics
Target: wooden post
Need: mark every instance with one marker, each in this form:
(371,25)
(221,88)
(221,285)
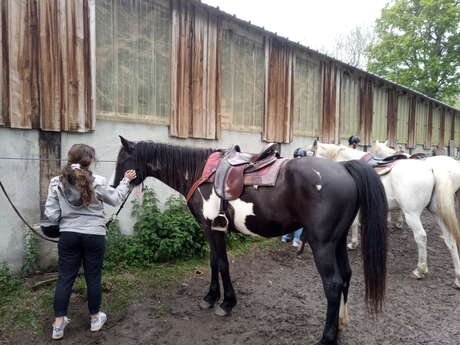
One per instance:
(50,166)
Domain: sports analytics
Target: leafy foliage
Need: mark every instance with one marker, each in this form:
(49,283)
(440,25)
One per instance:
(418,46)
(159,236)
(8,283)
(30,263)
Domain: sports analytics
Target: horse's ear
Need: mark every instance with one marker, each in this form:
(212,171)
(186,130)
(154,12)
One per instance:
(128,145)
(315,144)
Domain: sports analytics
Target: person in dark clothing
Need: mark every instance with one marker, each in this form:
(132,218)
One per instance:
(353,141)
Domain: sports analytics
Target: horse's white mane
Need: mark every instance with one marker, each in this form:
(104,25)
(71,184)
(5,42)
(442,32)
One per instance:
(332,150)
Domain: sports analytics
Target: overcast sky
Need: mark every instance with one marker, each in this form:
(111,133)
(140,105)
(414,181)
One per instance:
(314,23)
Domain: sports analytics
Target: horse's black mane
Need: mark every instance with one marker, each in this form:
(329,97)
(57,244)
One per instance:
(175,161)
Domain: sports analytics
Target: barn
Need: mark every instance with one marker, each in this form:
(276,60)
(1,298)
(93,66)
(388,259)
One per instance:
(181,72)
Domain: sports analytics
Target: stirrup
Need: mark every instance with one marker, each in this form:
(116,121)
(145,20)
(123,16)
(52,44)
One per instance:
(220,223)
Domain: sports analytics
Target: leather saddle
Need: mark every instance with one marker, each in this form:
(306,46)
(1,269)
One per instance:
(380,160)
(229,178)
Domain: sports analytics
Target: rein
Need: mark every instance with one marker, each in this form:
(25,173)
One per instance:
(112,218)
(22,218)
(115,215)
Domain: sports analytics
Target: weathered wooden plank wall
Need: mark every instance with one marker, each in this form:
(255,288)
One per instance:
(195,72)
(279,99)
(47,65)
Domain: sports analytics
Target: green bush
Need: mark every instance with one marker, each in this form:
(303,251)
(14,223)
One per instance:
(159,236)
(8,283)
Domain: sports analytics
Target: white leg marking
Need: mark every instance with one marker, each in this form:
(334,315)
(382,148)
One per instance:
(343,314)
(242,211)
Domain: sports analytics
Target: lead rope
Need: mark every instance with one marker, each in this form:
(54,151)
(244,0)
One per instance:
(22,218)
(112,218)
(115,215)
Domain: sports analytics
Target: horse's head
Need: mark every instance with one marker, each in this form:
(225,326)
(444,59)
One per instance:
(327,151)
(382,147)
(127,159)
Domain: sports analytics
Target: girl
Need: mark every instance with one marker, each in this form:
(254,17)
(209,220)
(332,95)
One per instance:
(75,202)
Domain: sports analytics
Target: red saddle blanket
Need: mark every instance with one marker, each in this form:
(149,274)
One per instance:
(266,176)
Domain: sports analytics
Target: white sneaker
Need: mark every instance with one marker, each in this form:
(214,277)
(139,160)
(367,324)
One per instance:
(97,323)
(58,332)
(296,243)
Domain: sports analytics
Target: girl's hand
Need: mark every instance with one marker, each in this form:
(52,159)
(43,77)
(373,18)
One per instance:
(130,174)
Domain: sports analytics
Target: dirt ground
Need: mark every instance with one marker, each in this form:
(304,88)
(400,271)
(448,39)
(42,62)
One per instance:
(281,301)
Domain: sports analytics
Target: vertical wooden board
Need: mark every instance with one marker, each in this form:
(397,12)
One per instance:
(411,130)
(2,81)
(21,90)
(429,126)
(50,66)
(392,116)
(436,126)
(380,112)
(63,53)
(403,118)
(442,127)
(448,128)
(89,56)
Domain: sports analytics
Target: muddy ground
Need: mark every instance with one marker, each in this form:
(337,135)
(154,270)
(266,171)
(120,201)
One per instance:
(281,301)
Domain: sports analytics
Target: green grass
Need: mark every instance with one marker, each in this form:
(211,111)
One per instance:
(24,311)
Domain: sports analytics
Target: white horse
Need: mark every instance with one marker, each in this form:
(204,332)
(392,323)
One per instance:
(409,186)
(446,171)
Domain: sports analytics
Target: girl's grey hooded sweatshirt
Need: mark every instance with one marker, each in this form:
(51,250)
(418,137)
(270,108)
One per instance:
(65,207)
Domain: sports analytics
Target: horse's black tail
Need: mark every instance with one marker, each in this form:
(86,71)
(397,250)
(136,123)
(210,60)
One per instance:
(373,210)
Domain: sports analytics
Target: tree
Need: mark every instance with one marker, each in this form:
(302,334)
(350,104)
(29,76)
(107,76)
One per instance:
(351,47)
(418,45)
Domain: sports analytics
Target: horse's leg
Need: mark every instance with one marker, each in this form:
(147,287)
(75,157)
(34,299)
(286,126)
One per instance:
(214,289)
(345,271)
(218,239)
(399,219)
(333,284)
(354,233)
(452,246)
(415,224)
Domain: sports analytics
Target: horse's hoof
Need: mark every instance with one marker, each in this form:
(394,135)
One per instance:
(418,274)
(219,311)
(352,245)
(457,283)
(205,305)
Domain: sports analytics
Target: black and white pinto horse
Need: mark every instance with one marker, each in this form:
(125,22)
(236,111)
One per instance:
(319,195)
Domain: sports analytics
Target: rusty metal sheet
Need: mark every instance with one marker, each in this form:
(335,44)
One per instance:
(279,100)
(392,119)
(195,76)
(308,95)
(380,113)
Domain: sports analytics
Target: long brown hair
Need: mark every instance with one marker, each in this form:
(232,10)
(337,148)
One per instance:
(81,178)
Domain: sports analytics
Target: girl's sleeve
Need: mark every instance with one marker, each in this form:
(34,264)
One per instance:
(110,195)
(52,207)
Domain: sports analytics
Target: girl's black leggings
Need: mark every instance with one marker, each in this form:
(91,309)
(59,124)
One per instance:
(74,249)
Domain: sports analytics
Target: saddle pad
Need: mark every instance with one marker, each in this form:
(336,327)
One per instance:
(383,170)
